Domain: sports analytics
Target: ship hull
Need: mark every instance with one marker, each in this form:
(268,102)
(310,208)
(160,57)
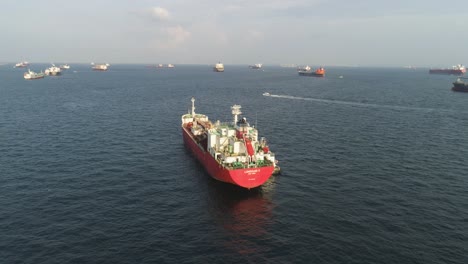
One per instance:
(447,71)
(246,178)
(34,78)
(457,87)
(218,70)
(54,73)
(313,74)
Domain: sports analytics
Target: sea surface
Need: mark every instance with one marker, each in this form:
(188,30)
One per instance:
(93,168)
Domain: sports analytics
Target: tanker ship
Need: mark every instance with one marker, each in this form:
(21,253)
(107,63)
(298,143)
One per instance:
(307,71)
(229,152)
(455,70)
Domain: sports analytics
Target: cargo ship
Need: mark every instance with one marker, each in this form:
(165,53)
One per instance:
(100,67)
(307,71)
(229,152)
(54,70)
(455,70)
(256,66)
(64,67)
(30,75)
(22,64)
(460,86)
(219,67)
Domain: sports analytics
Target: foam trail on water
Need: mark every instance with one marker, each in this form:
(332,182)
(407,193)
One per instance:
(366,105)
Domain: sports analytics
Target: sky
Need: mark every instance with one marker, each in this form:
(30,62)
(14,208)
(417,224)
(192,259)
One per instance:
(420,33)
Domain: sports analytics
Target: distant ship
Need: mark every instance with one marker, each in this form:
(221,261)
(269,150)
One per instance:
(230,152)
(256,66)
(54,70)
(100,67)
(455,70)
(219,67)
(307,71)
(22,64)
(64,66)
(460,86)
(30,75)
(161,66)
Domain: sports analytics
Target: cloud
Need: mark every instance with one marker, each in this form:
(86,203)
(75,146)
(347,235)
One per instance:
(170,38)
(160,13)
(177,35)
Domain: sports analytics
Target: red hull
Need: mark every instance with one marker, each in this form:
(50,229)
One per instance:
(247,178)
(447,71)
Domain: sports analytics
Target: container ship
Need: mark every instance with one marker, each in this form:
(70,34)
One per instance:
(307,71)
(460,86)
(455,70)
(229,152)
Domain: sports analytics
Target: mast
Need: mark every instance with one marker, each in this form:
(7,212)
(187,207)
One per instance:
(236,111)
(193,107)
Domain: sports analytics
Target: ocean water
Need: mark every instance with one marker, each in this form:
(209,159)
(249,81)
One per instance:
(93,167)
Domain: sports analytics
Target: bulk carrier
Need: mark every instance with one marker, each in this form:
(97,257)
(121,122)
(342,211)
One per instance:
(230,152)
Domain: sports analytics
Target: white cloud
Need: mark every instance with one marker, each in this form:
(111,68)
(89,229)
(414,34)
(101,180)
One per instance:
(170,38)
(177,35)
(160,13)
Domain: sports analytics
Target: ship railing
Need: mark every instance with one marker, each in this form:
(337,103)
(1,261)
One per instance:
(242,165)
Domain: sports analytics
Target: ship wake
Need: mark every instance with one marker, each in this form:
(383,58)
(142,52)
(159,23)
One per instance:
(361,104)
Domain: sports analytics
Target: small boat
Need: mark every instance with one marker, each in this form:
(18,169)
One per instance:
(22,64)
(170,65)
(460,86)
(455,70)
(307,71)
(256,66)
(266,94)
(100,67)
(64,66)
(54,70)
(30,75)
(219,67)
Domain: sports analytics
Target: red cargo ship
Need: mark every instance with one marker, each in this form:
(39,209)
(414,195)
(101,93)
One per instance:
(307,71)
(455,70)
(230,152)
